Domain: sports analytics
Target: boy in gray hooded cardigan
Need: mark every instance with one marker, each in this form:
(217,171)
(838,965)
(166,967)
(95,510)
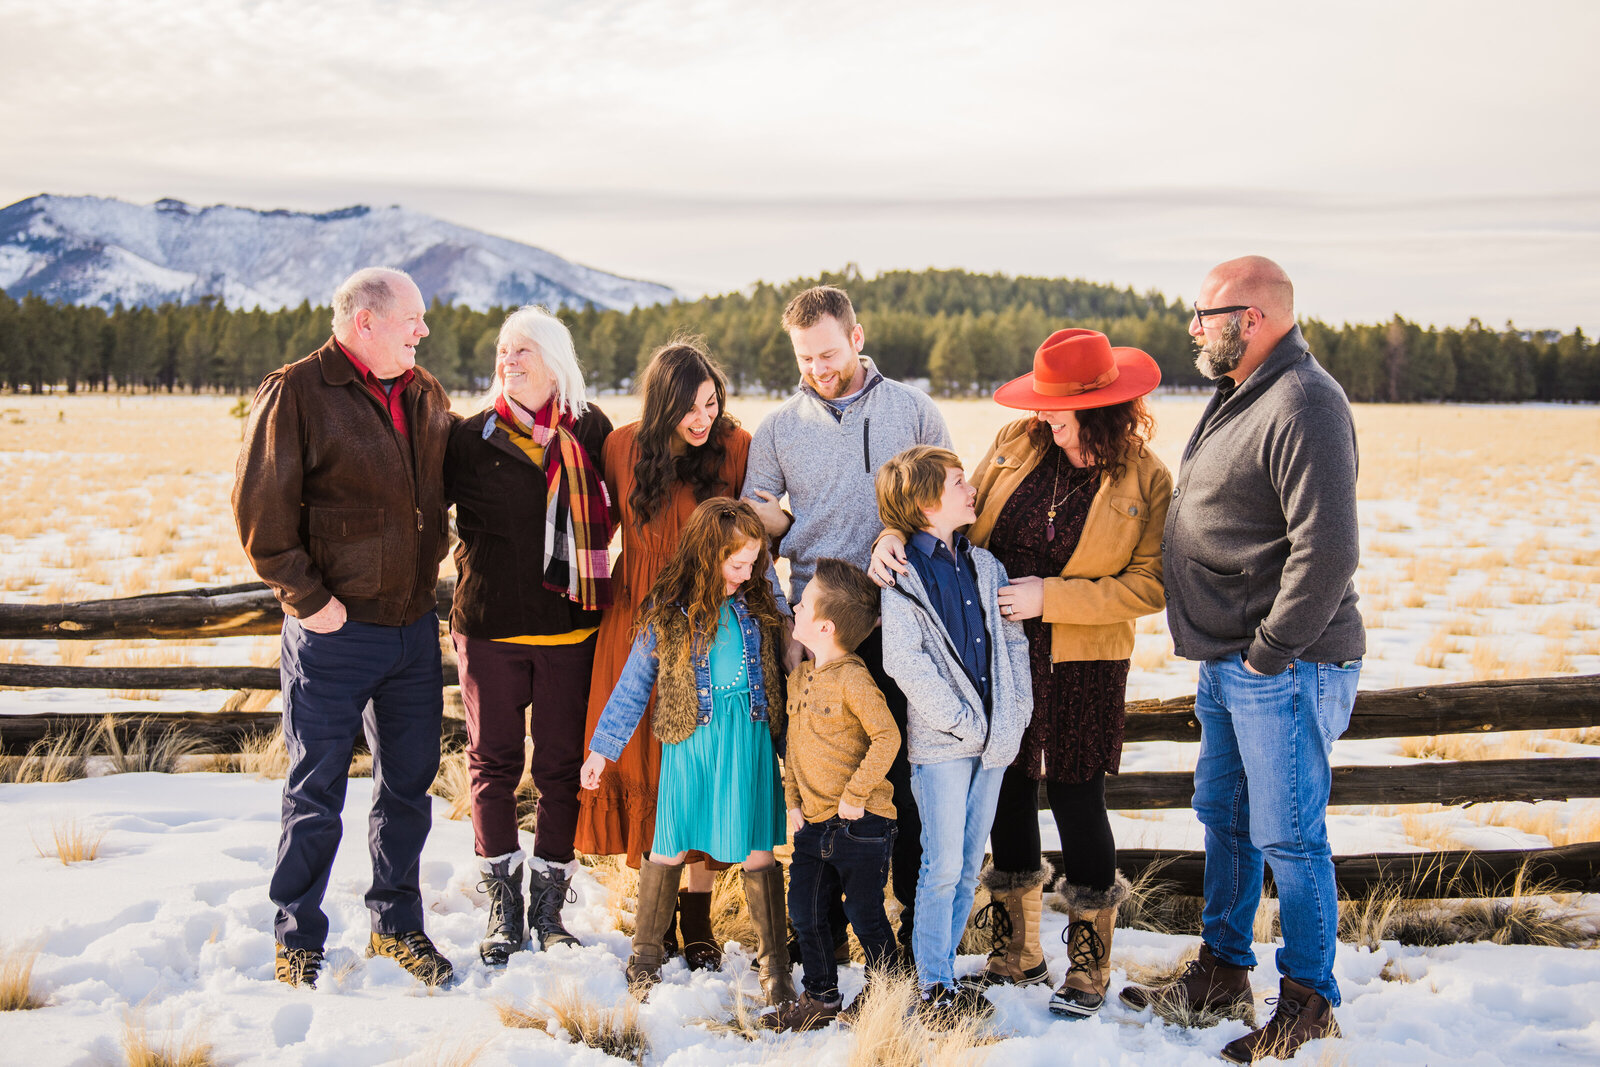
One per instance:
(964,671)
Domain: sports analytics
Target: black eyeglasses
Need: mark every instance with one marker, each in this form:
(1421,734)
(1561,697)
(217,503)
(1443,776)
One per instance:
(1200,313)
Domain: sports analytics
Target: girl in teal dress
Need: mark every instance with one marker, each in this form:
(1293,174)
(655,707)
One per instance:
(708,640)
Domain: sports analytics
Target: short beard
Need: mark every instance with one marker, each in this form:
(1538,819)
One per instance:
(841,387)
(1218,357)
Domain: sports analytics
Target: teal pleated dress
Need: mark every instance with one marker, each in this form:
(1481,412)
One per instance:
(720,791)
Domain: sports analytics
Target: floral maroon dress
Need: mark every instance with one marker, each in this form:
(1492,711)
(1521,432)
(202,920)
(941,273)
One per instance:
(1078,706)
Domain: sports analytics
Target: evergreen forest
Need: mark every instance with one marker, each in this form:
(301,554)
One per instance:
(962,333)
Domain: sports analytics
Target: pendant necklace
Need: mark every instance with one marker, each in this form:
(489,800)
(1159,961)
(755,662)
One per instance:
(1050,519)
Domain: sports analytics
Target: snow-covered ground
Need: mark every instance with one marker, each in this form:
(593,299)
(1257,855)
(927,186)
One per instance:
(172,925)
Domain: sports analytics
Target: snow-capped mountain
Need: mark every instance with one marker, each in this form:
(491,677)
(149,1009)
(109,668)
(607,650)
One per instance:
(92,250)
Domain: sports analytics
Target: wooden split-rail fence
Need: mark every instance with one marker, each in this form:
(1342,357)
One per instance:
(1461,708)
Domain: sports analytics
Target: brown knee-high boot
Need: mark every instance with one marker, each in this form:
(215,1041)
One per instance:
(658,896)
(763,893)
(1093,914)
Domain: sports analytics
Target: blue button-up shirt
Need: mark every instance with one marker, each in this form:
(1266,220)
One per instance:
(952,587)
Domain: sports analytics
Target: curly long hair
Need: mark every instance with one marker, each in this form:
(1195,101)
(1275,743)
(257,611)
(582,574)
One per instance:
(691,581)
(1109,436)
(670,384)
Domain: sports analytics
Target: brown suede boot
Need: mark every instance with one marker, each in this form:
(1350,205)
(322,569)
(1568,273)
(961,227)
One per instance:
(658,893)
(1302,1015)
(700,949)
(1207,987)
(763,894)
(1093,914)
(1012,916)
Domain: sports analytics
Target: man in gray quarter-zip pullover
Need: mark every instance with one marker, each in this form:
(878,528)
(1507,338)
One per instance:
(823,447)
(1259,553)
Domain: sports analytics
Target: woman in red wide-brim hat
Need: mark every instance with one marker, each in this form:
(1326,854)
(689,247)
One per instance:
(1072,501)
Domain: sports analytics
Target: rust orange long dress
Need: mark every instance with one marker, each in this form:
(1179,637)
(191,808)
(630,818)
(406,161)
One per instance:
(620,816)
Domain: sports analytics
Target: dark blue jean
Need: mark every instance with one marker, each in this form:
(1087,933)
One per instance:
(833,857)
(386,681)
(1261,791)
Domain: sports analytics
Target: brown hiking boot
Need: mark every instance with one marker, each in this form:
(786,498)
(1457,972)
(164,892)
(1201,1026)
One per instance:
(807,1013)
(1207,991)
(1302,1015)
(415,952)
(298,966)
(658,894)
(1012,919)
(1088,936)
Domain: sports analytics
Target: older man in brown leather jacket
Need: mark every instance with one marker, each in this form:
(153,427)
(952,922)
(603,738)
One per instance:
(339,498)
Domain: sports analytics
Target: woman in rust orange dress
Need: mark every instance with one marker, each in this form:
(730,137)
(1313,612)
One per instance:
(683,449)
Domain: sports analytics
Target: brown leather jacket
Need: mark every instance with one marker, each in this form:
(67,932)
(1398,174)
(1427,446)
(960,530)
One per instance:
(331,501)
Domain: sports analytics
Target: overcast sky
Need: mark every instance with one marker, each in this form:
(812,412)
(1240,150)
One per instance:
(1436,159)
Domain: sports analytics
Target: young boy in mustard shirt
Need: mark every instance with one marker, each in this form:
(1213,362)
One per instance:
(841,742)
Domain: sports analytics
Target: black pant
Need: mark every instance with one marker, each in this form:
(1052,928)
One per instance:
(1088,853)
(830,858)
(908,842)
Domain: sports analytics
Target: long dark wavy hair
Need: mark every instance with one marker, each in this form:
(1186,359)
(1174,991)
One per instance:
(691,581)
(670,383)
(1109,436)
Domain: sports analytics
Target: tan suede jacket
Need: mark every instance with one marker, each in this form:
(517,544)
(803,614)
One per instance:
(1114,575)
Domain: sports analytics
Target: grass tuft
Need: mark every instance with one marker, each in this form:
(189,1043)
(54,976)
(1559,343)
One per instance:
(71,842)
(454,783)
(888,1032)
(58,758)
(141,1049)
(152,747)
(16,980)
(613,1030)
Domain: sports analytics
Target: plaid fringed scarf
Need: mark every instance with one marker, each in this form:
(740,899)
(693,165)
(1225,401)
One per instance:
(577,516)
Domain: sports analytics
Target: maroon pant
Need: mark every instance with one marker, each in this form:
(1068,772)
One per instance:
(499,680)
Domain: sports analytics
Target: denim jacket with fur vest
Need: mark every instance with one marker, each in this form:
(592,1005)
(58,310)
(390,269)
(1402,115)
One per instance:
(683,690)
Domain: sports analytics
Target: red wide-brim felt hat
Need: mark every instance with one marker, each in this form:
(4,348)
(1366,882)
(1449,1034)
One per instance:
(1078,369)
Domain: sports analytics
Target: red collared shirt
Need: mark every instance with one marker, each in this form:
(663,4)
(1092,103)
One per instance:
(389,400)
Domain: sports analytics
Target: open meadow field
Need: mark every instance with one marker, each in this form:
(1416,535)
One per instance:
(1480,532)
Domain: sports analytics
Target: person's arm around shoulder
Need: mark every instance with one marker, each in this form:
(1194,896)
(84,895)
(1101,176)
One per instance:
(1312,463)
(863,700)
(1135,590)
(930,696)
(268,479)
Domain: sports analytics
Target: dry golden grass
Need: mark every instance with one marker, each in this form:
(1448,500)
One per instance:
(71,841)
(141,1049)
(59,758)
(622,888)
(159,749)
(454,783)
(889,1033)
(1428,833)
(16,979)
(612,1029)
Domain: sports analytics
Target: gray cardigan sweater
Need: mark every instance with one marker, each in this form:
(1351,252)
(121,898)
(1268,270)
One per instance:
(826,461)
(1261,546)
(945,717)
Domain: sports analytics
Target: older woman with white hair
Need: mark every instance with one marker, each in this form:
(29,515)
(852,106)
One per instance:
(533,515)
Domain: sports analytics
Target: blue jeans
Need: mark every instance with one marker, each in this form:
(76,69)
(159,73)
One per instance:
(1266,739)
(956,799)
(328,682)
(833,857)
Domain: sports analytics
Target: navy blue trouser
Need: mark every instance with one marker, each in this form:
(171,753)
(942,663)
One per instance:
(328,681)
(830,858)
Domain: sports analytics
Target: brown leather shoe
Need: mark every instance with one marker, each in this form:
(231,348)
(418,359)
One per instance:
(807,1013)
(1302,1015)
(1208,989)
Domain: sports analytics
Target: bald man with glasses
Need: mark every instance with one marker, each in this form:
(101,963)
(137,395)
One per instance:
(1259,555)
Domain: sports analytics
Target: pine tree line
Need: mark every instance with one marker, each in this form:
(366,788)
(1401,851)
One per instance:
(963,333)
